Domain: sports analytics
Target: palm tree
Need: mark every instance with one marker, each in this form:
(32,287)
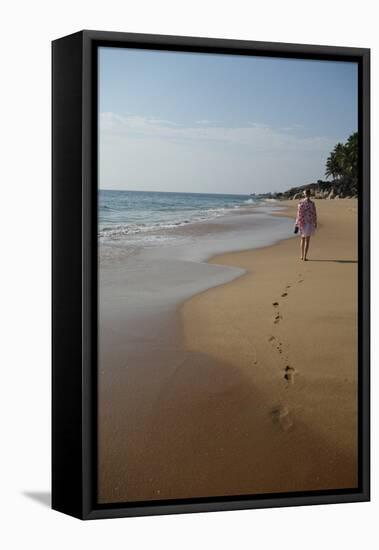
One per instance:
(340,159)
(351,153)
(342,163)
(331,166)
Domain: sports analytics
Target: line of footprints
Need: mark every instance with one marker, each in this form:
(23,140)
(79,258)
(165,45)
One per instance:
(288,371)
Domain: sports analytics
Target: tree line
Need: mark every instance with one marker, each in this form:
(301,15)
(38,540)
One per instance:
(342,163)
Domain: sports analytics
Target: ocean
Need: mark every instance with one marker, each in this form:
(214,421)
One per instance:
(154,246)
(122,213)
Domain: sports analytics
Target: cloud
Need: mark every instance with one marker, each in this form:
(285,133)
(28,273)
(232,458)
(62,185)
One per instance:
(148,153)
(259,138)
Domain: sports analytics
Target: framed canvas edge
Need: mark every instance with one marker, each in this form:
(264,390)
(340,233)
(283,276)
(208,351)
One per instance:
(88,506)
(67,282)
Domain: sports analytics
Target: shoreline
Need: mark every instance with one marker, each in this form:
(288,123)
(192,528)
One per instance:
(204,421)
(141,345)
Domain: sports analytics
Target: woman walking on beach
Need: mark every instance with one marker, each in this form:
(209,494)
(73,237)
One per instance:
(306,222)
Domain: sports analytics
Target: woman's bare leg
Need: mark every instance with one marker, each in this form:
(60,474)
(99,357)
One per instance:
(307,239)
(302,248)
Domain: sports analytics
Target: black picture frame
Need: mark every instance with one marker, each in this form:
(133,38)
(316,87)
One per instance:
(74,272)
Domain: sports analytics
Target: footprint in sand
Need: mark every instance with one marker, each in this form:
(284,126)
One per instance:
(281,416)
(278,317)
(274,342)
(289,374)
(278,345)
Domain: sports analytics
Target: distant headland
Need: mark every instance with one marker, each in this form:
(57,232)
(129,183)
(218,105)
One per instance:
(341,166)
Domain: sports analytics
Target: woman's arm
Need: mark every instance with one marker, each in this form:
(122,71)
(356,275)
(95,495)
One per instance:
(315,214)
(298,214)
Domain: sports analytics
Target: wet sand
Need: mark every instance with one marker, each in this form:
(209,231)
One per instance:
(249,387)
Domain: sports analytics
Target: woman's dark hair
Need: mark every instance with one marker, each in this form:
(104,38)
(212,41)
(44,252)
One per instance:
(307,192)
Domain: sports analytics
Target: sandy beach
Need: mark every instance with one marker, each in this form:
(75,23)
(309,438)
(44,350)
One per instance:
(288,329)
(250,386)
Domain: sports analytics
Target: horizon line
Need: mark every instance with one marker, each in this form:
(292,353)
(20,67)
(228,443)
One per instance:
(182,192)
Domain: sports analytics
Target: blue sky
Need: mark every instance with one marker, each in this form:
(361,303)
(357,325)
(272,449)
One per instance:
(217,123)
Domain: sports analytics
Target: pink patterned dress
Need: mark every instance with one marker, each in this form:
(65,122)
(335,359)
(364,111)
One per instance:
(306,218)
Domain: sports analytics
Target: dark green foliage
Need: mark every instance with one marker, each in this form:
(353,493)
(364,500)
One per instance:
(342,163)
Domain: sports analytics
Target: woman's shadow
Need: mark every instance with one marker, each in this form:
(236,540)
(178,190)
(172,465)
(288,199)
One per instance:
(335,261)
